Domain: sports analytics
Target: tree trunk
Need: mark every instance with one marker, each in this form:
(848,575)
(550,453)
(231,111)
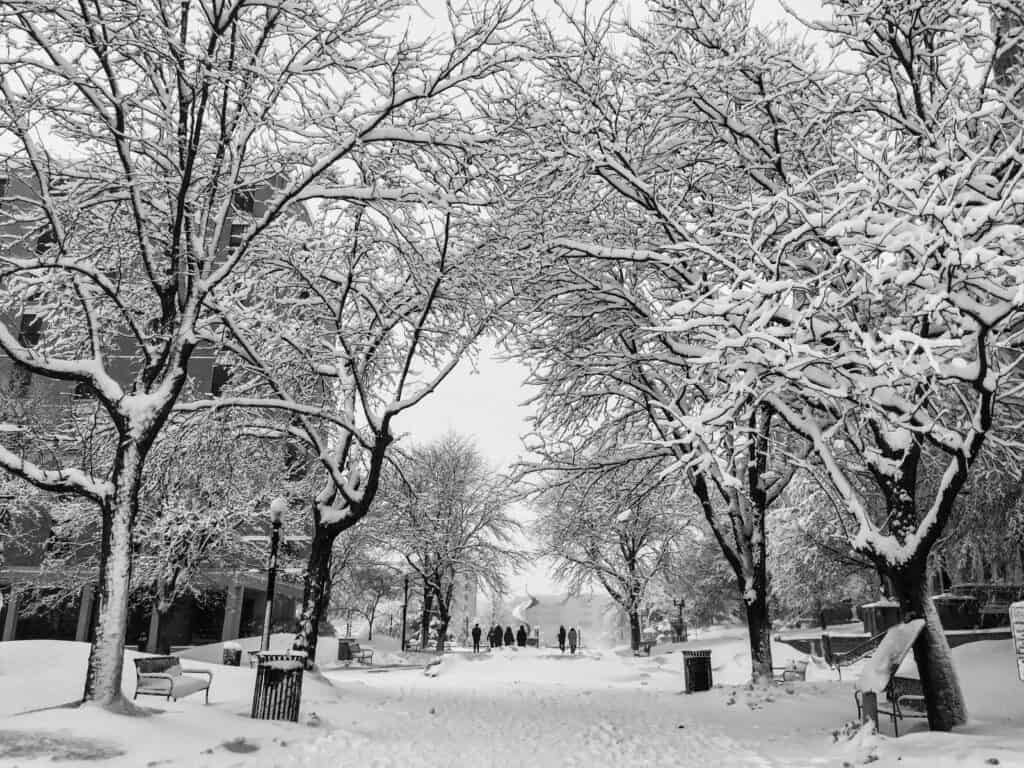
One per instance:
(316,593)
(106,655)
(943,697)
(442,633)
(428,602)
(161,642)
(373,614)
(634,630)
(759,629)
(445,617)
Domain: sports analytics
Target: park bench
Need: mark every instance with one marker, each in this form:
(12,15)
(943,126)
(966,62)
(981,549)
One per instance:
(793,672)
(349,651)
(164,676)
(839,659)
(903,695)
(645,648)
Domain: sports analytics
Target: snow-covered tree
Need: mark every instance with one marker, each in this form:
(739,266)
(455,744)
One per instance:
(618,528)
(158,149)
(629,172)
(204,497)
(866,291)
(399,292)
(446,513)
(363,588)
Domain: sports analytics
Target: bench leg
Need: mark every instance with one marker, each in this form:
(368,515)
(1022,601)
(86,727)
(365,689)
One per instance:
(207,692)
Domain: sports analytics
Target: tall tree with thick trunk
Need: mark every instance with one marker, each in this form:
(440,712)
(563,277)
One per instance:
(872,311)
(156,149)
(634,180)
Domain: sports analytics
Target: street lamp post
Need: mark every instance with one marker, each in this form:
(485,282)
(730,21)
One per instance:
(277,509)
(405,607)
(680,628)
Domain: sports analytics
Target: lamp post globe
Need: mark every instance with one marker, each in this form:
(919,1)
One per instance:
(277,509)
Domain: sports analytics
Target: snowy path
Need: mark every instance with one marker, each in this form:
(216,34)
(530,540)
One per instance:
(531,727)
(532,709)
(510,708)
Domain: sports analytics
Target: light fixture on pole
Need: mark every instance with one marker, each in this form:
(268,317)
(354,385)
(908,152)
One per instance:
(277,509)
(679,628)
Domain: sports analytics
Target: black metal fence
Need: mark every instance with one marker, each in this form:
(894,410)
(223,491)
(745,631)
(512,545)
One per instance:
(278,686)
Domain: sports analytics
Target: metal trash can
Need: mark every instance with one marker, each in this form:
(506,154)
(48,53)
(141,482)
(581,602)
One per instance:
(278,686)
(231,656)
(344,649)
(697,671)
(879,616)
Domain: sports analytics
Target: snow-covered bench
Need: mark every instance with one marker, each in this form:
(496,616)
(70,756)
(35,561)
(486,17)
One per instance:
(164,676)
(903,694)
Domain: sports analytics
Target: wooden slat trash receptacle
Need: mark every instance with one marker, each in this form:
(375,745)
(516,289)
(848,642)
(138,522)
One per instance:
(697,671)
(278,686)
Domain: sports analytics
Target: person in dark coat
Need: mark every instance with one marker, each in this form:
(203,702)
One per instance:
(476,638)
(509,639)
(521,636)
(561,639)
(572,639)
(492,637)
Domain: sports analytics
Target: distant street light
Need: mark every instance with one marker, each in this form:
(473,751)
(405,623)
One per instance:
(277,509)
(679,625)
(405,607)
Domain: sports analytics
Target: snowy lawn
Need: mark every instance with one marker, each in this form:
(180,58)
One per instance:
(514,707)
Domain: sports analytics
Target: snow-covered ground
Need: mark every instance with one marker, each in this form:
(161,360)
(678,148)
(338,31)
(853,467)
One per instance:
(513,707)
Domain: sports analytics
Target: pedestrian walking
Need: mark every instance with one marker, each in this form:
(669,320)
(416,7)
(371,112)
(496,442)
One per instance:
(492,637)
(572,640)
(561,638)
(509,638)
(476,638)
(521,636)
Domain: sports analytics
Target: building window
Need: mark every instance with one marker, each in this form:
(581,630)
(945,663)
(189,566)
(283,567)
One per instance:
(235,235)
(219,379)
(31,330)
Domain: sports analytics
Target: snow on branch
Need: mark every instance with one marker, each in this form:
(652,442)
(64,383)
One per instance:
(58,480)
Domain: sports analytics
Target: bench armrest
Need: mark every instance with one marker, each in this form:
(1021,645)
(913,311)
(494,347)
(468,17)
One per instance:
(155,676)
(206,672)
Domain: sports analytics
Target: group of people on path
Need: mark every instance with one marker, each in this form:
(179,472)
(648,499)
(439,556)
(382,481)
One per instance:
(572,636)
(496,637)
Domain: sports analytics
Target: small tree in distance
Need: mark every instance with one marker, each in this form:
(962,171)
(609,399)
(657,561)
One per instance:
(618,527)
(446,514)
